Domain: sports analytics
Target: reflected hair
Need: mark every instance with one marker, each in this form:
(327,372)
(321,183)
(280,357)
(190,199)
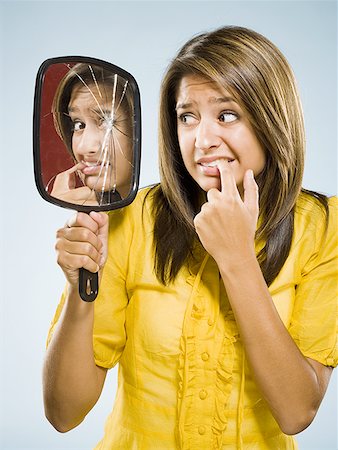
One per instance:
(258,76)
(96,79)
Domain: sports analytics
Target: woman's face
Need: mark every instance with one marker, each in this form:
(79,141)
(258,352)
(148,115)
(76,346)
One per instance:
(101,139)
(211,126)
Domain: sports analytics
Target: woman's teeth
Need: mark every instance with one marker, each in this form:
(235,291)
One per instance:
(91,164)
(211,164)
(214,163)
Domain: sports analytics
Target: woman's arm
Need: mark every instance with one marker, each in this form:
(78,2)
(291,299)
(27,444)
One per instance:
(292,385)
(72,383)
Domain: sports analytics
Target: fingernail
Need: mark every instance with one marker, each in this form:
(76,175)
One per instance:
(94,214)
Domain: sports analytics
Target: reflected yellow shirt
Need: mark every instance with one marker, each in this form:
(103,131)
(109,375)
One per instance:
(183,381)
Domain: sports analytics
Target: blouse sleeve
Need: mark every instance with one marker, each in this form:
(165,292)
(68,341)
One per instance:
(109,334)
(314,319)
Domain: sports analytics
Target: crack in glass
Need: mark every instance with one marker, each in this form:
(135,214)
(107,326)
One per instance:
(93,113)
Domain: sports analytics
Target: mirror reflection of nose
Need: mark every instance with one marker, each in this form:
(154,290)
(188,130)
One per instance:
(88,143)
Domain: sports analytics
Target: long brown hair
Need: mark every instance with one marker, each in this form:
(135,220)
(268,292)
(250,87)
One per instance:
(256,73)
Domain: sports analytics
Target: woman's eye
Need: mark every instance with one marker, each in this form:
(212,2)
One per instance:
(187,119)
(228,116)
(77,125)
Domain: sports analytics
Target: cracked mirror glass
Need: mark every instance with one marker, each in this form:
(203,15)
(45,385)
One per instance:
(88,146)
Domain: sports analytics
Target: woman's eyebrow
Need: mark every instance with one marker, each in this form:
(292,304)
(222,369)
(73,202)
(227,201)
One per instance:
(226,99)
(218,100)
(183,105)
(71,109)
(95,110)
(99,111)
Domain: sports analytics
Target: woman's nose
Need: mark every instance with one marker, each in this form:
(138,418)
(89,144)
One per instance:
(90,141)
(207,135)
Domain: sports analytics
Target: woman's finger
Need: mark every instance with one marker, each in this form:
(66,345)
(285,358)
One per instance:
(228,182)
(83,220)
(70,236)
(212,194)
(251,194)
(77,166)
(65,182)
(70,262)
(78,248)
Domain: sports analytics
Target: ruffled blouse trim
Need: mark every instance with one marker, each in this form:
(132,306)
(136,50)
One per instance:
(221,380)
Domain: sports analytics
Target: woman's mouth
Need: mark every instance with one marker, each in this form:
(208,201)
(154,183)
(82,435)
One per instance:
(210,168)
(94,167)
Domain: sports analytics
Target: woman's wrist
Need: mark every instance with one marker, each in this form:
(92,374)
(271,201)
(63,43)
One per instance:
(238,264)
(75,306)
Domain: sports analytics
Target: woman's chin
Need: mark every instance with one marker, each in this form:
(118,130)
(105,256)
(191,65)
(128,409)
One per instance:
(210,183)
(215,183)
(98,186)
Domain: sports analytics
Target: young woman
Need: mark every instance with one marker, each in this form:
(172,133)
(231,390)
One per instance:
(218,293)
(93,114)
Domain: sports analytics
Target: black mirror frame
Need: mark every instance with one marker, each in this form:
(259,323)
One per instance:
(36,133)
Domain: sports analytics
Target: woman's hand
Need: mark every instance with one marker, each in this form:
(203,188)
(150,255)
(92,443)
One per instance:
(83,242)
(226,224)
(64,188)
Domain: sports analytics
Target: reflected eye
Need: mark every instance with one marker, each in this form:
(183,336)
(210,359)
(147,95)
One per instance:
(187,119)
(228,116)
(78,125)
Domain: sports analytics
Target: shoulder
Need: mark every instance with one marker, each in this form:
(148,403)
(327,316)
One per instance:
(145,196)
(315,227)
(138,212)
(311,213)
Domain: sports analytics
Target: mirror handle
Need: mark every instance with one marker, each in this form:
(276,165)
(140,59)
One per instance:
(88,285)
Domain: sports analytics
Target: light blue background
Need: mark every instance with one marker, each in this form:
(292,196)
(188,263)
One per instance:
(142,37)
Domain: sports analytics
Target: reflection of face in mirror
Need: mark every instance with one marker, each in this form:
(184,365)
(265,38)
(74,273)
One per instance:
(93,115)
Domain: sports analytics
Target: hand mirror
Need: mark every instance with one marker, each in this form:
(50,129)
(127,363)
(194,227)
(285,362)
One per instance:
(86,139)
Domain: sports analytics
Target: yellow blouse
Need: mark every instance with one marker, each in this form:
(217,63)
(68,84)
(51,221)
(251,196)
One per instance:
(183,380)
